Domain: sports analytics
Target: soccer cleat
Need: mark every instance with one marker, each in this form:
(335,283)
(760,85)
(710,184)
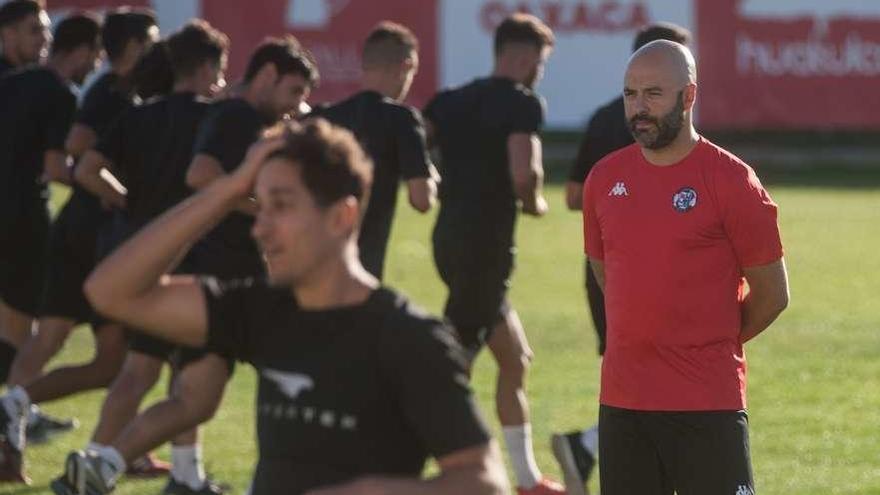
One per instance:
(83,476)
(210,487)
(42,427)
(574,460)
(544,487)
(148,466)
(11,446)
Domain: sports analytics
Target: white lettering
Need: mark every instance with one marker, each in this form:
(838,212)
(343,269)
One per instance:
(809,58)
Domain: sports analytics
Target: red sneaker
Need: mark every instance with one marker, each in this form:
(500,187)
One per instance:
(544,487)
(148,466)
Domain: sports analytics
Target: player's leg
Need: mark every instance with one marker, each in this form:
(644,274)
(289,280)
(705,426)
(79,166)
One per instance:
(38,349)
(708,452)
(110,351)
(15,328)
(196,394)
(139,374)
(629,460)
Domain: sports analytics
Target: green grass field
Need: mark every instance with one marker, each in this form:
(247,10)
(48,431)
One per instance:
(814,376)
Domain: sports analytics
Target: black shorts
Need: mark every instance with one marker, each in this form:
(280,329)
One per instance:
(596,301)
(23,257)
(72,245)
(689,453)
(177,355)
(478,278)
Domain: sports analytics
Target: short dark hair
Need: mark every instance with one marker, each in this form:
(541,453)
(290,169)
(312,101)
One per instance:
(124,25)
(14,11)
(287,55)
(389,43)
(332,163)
(74,31)
(661,31)
(152,75)
(523,28)
(194,44)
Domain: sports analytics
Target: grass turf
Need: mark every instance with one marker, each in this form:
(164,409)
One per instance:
(814,392)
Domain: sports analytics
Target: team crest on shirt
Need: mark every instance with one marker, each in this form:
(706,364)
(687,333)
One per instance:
(684,200)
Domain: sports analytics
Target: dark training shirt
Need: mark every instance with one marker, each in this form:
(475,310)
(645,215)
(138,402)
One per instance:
(150,148)
(472,124)
(38,109)
(228,130)
(606,132)
(372,388)
(394,137)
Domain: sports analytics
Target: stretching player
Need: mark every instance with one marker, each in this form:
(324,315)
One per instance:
(38,110)
(367,387)
(148,149)
(393,134)
(487,135)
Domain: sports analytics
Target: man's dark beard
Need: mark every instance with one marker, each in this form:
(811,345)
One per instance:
(668,126)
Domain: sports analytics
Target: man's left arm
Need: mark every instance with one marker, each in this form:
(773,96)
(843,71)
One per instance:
(767,298)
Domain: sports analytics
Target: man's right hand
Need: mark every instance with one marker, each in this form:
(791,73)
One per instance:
(538,208)
(245,176)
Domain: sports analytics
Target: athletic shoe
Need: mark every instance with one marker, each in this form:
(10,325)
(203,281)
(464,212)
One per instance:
(574,460)
(82,476)
(544,487)
(148,466)
(42,427)
(210,487)
(11,445)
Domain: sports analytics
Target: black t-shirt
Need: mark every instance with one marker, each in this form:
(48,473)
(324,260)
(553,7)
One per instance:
(394,137)
(372,388)
(150,148)
(471,125)
(38,109)
(606,132)
(228,130)
(104,101)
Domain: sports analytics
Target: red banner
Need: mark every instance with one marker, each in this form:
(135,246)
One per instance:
(771,64)
(334,30)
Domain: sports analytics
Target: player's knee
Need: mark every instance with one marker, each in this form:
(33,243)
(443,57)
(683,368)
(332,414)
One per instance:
(515,365)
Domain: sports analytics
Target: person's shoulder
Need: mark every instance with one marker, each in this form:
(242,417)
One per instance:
(722,161)
(617,159)
(401,314)
(233,109)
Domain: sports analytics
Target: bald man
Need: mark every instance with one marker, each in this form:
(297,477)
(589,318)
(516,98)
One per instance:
(674,226)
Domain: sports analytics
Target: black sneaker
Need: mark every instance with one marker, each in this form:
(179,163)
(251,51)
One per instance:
(574,460)
(11,445)
(210,487)
(42,427)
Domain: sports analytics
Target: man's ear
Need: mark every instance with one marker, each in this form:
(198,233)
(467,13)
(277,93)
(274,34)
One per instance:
(346,216)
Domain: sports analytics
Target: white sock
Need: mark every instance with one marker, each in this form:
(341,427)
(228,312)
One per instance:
(94,447)
(115,465)
(522,455)
(590,440)
(186,465)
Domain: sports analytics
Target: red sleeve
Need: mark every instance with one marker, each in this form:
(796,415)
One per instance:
(593,246)
(750,218)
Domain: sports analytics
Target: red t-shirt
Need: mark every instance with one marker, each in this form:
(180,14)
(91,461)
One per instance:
(674,240)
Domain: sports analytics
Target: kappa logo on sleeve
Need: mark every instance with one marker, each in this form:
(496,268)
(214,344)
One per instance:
(744,490)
